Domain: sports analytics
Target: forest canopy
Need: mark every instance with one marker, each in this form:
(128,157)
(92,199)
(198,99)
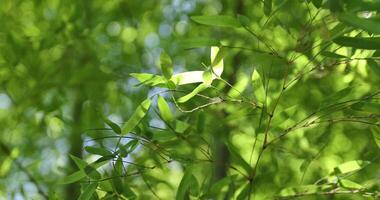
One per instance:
(190,99)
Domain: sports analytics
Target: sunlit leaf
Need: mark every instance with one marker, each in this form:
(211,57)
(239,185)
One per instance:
(350,166)
(217,20)
(258,86)
(136,117)
(359,42)
(332,54)
(244,194)
(239,86)
(188,77)
(149,79)
(197,90)
(347,184)
(166,65)
(238,160)
(305,190)
(217,60)
(165,111)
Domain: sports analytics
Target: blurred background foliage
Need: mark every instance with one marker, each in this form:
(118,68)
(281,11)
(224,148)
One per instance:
(64,74)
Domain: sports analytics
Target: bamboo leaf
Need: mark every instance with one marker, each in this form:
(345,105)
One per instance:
(98,151)
(74,177)
(166,65)
(267,7)
(258,86)
(197,90)
(116,128)
(216,57)
(78,175)
(217,20)
(136,117)
(165,111)
(376,134)
(350,166)
(188,182)
(238,160)
(81,164)
(149,79)
(365,24)
(332,54)
(188,77)
(359,42)
(199,42)
(88,191)
(244,194)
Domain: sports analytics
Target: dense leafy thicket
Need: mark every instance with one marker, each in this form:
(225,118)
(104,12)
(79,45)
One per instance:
(198,99)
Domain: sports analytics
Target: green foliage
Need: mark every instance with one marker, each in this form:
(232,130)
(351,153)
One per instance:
(257,100)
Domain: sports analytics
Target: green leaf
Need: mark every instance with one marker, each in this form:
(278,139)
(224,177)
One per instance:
(305,190)
(258,86)
(78,175)
(217,187)
(166,65)
(217,20)
(267,7)
(98,151)
(350,166)
(81,164)
(180,126)
(317,3)
(119,167)
(187,77)
(359,42)
(366,106)
(136,117)
(74,177)
(374,67)
(149,79)
(197,90)
(128,148)
(188,183)
(347,184)
(199,42)
(88,191)
(336,97)
(244,20)
(91,172)
(332,54)
(244,194)
(376,134)
(165,111)
(365,24)
(116,128)
(238,160)
(216,57)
